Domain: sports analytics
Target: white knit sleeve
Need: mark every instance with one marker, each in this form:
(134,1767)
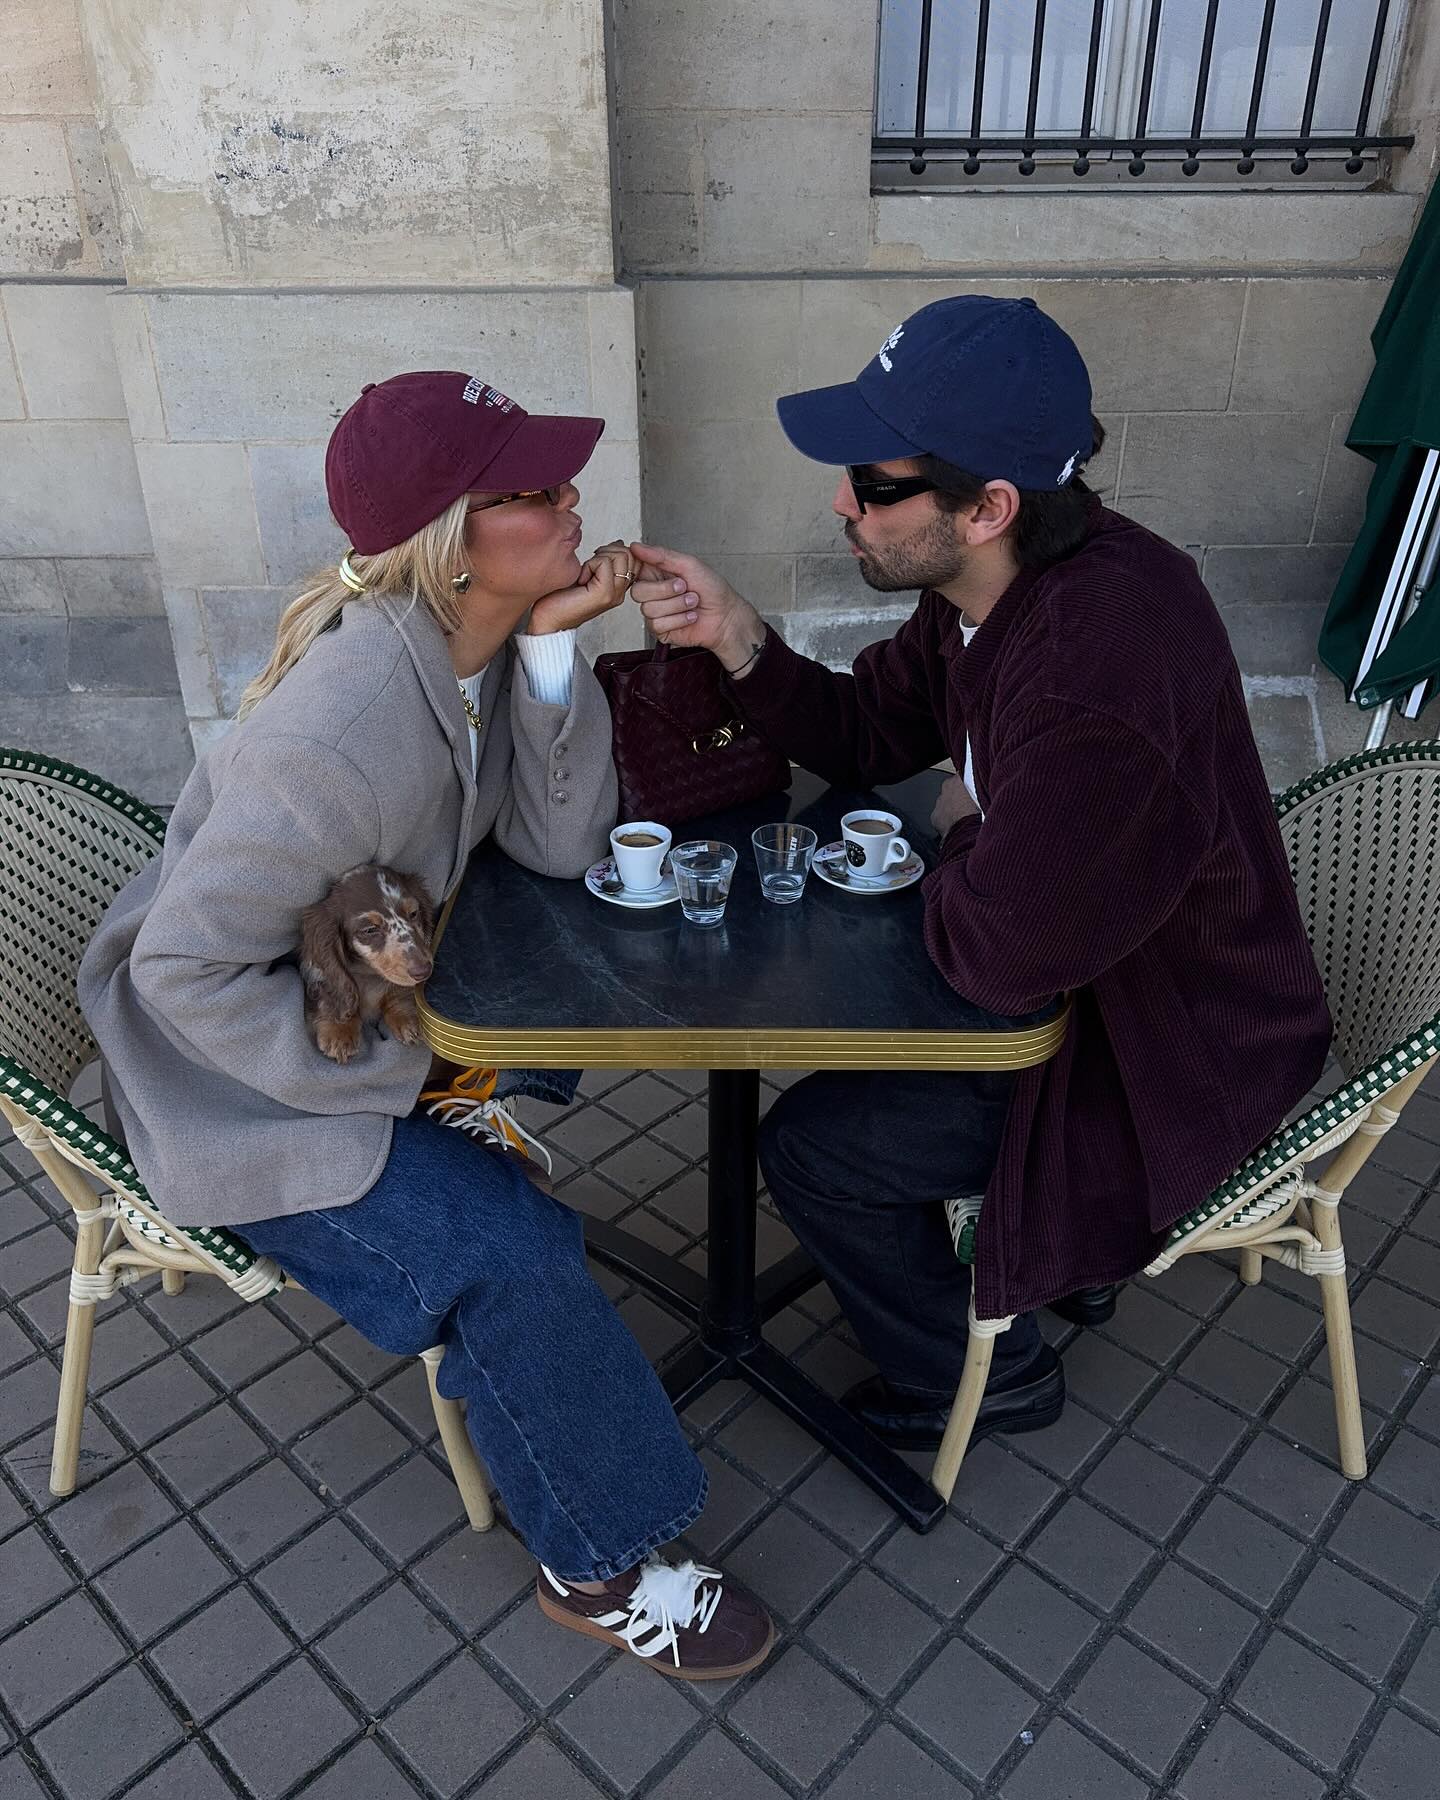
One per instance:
(549,664)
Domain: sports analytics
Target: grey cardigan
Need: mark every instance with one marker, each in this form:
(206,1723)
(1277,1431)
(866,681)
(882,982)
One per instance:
(361,754)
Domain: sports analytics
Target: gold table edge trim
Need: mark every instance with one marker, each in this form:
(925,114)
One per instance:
(683,1047)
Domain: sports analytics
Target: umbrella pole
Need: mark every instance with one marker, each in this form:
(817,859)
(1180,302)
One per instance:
(1420,549)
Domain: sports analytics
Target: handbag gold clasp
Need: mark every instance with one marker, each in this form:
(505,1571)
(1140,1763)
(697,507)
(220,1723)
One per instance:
(719,739)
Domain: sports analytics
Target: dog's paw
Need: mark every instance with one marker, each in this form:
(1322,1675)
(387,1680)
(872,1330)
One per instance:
(338,1039)
(401,1019)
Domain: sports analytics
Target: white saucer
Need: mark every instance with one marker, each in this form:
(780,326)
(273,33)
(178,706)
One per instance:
(604,883)
(830,865)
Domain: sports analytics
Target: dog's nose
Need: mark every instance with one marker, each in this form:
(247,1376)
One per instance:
(418,965)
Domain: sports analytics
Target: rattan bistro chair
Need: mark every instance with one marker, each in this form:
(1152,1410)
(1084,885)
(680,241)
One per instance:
(1363,837)
(69,842)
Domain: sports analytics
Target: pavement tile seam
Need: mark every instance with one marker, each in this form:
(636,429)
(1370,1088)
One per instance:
(1384,1693)
(1390,1689)
(1066,1490)
(835,1770)
(398,1576)
(1093,1649)
(302,1659)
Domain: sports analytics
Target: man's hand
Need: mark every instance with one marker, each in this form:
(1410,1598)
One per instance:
(603,585)
(955,803)
(685,603)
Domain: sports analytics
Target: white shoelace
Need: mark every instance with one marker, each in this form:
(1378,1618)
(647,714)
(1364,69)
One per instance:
(478,1118)
(665,1600)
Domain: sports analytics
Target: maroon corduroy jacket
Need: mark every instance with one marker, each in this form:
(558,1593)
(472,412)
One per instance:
(1129,856)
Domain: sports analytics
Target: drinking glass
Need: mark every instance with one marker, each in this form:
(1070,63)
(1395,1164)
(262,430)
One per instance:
(783,854)
(702,872)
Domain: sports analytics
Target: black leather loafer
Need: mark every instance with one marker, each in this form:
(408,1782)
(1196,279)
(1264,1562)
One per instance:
(1032,1399)
(1086,1306)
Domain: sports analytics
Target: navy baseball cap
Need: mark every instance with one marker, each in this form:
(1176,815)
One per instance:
(994,387)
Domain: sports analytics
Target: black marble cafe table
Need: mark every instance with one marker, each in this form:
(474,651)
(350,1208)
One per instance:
(536,973)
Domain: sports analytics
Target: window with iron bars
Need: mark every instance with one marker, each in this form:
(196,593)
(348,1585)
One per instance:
(975,93)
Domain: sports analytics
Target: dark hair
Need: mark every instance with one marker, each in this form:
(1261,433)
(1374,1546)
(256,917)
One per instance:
(1051,523)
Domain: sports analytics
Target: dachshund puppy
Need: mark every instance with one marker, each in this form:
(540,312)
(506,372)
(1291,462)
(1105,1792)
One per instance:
(364,949)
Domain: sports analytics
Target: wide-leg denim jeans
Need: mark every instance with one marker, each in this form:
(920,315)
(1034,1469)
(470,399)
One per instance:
(454,1246)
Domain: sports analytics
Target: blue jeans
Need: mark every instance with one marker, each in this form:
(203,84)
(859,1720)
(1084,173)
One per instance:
(859,1166)
(454,1246)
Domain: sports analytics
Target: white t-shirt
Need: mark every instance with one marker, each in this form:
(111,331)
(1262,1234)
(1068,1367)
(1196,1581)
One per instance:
(968,632)
(549,665)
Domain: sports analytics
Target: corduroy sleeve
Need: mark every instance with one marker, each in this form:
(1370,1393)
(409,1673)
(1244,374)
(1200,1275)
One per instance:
(874,725)
(1088,842)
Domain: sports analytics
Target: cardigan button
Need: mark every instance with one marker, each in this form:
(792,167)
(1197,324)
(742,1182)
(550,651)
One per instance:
(560,751)
(559,796)
(562,774)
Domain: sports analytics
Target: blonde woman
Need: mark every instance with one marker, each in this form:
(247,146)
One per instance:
(424,694)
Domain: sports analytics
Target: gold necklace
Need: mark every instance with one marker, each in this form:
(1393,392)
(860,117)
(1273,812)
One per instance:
(470,711)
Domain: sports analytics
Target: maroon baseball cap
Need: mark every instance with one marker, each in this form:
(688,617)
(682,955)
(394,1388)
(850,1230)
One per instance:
(412,445)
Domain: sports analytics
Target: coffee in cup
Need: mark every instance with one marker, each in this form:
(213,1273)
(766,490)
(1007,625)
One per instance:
(639,847)
(873,844)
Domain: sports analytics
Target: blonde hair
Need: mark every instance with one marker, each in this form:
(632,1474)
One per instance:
(423,566)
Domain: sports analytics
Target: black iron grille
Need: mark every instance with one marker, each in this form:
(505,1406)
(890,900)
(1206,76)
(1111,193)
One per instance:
(1133,140)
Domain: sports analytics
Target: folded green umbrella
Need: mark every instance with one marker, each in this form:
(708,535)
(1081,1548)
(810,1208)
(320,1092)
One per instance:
(1397,423)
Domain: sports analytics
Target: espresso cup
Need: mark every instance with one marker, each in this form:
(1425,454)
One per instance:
(873,844)
(639,848)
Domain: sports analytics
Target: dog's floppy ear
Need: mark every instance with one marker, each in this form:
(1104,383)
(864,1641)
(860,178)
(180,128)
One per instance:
(322,956)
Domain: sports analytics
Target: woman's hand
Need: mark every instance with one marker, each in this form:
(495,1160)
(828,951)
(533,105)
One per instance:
(604,582)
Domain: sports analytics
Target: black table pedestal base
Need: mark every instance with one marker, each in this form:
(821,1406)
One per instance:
(727,1307)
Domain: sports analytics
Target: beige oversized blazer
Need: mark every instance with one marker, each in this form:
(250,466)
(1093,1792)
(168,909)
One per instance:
(361,754)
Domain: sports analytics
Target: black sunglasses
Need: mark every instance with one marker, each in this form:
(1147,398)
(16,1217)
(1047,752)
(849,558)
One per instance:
(885,490)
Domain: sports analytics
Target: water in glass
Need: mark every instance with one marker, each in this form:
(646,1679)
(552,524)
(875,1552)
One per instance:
(702,874)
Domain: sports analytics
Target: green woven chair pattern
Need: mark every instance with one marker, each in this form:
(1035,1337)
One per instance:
(1363,840)
(69,841)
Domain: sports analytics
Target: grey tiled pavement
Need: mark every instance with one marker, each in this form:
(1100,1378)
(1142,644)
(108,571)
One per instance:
(264,1585)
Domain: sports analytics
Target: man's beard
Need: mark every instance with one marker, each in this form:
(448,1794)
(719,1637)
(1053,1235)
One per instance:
(928,560)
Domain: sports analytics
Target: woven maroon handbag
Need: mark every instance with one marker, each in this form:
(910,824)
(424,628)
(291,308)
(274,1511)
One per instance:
(681,747)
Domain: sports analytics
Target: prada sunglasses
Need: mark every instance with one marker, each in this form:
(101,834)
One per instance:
(885,490)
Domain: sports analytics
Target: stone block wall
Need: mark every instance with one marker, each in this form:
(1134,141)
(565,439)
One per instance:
(1227,331)
(57,205)
(1226,403)
(743,147)
(357,141)
(87,672)
(217,224)
(311,198)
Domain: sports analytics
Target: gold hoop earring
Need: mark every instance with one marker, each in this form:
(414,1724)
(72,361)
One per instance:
(461,582)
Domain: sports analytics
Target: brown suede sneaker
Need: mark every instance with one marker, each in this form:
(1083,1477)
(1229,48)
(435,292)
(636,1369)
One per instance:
(687,1621)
